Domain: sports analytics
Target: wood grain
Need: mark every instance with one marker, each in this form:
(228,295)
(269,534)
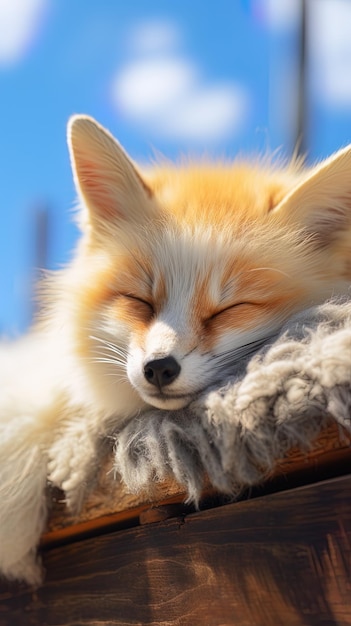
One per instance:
(279,560)
(110,503)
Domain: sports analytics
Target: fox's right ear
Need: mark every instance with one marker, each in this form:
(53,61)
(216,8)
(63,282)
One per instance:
(320,204)
(112,190)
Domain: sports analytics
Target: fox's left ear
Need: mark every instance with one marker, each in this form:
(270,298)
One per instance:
(112,190)
(321,203)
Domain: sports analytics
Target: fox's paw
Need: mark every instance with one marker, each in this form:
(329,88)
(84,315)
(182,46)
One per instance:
(161,444)
(73,462)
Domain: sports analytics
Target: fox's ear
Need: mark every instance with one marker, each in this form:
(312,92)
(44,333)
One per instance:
(321,203)
(108,182)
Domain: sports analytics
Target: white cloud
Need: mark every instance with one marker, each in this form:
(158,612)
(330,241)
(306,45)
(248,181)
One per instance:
(166,93)
(146,87)
(330,51)
(208,113)
(19,23)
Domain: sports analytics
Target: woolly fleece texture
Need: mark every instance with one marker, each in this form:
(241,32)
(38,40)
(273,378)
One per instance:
(280,398)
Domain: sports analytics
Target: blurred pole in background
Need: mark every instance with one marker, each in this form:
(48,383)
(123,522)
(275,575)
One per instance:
(286,66)
(41,248)
(302,105)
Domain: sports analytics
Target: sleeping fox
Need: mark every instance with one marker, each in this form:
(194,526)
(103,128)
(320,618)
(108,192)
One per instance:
(180,271)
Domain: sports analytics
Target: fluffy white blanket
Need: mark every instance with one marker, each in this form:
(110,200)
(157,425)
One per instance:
(280,398)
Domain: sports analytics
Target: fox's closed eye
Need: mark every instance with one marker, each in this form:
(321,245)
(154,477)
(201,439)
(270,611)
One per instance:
(137,299)
(229,308)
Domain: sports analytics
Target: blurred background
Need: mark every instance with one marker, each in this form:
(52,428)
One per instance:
(222,77)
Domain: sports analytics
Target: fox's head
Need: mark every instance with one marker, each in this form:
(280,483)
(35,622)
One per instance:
(185,270)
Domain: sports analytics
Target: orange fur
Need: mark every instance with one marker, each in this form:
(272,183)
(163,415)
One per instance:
(220,241)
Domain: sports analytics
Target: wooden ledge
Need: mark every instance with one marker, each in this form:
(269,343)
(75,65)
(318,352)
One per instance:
(111,506)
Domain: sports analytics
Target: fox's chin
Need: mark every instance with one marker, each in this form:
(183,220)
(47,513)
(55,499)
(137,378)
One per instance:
(168,403)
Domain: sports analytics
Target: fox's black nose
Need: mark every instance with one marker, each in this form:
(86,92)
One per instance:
(161,372)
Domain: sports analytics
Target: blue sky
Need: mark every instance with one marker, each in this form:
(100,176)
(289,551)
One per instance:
(217,77)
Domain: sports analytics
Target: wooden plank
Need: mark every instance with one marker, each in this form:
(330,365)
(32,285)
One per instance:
(282,559)
(110,503)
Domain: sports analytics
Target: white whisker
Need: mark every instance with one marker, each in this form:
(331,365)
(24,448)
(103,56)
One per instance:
(233,358)
(270,269)
(109,345)
(108,360)
(109,353)
(118,377)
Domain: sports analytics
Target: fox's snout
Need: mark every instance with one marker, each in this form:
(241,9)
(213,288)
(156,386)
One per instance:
(161,372)
(159,369)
